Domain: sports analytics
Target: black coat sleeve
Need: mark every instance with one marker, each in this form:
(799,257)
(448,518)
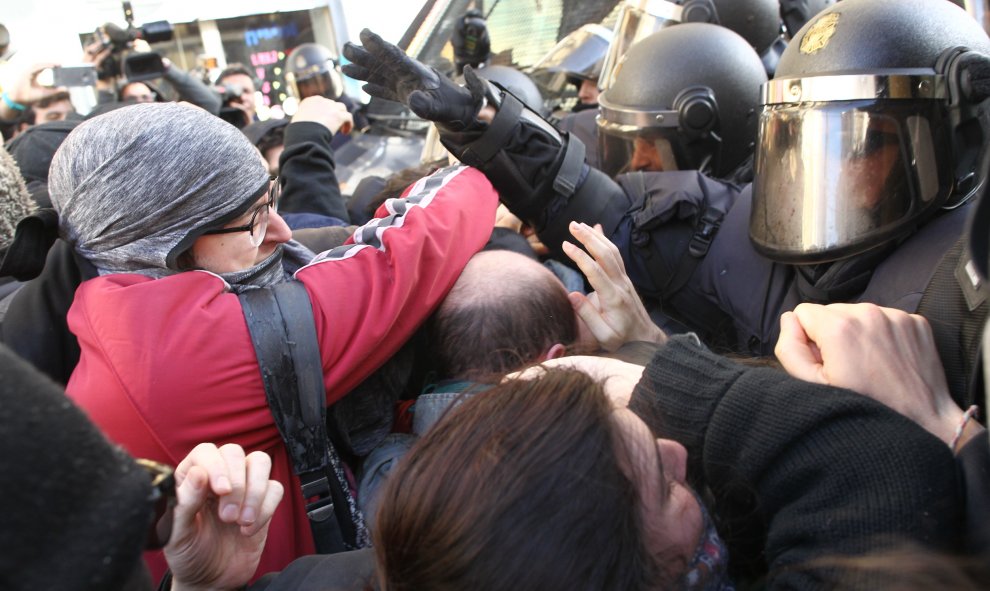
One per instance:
(35,326)
(344,571)
(306,167)
(797,471)
(974,465)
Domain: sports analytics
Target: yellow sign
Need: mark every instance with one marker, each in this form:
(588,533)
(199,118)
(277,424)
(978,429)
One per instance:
(820,33)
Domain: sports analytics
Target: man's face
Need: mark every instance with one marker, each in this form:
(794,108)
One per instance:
(137,92)
(588,92)
(247,85)
(870,169)
(227,253)
(56,111)
(271,158)
(319,85)
(645,156)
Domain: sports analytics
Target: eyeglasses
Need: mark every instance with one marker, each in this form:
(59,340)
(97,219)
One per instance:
(259,218)
(162,501)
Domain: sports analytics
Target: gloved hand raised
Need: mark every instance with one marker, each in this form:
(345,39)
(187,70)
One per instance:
(392,75)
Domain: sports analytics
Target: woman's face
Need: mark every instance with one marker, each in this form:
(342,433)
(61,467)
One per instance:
(227,253)
(670,509)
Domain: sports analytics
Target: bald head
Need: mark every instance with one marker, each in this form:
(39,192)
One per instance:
(504,311)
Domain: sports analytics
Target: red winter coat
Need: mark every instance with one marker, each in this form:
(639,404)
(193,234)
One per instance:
(167,364)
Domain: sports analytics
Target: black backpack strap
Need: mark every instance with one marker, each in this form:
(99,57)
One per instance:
(664,202)
(280,320)
(712,213)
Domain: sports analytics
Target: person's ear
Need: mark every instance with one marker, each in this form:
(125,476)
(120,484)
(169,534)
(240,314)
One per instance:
(673,455)
(554,352)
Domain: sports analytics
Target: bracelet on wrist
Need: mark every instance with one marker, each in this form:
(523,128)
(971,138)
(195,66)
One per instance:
(971,414)
(12,103)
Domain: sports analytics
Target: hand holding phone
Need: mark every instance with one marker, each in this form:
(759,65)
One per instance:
(66,76)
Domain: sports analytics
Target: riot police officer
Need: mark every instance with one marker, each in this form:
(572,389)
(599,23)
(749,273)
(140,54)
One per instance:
(756,21)
(887,96)
(700,114)
(472,46)
(310,69)
(577,60)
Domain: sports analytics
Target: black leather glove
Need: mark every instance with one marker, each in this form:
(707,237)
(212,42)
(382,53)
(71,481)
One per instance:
(392,75)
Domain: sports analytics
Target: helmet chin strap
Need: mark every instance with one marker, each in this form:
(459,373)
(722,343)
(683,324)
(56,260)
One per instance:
(704,155)
(968,76)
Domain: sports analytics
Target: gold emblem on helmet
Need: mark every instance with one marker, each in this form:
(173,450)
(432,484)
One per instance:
(820,33)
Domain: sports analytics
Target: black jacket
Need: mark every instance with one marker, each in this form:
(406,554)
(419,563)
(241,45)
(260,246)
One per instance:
(800,471)
(306,168)
(35,326)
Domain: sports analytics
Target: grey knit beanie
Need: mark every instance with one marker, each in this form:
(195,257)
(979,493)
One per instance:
(15,202)
(135,187)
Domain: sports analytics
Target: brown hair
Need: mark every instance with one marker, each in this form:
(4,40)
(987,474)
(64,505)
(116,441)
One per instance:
(51,99)
(237,68)
(519,487)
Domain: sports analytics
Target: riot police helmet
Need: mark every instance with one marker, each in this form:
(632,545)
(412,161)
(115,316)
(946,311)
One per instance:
(684,98)
(756,21)
(578,56)
(310,70)
(877,119)
(519,84)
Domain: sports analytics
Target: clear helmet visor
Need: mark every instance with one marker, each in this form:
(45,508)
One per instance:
(578,55)
(626,148)
(836,179)
(638,19)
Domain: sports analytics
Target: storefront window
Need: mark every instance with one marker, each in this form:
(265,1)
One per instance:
(261,43)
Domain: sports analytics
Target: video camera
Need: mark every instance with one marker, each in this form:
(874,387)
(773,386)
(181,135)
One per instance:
(230,113)
(131,65)
(231,92)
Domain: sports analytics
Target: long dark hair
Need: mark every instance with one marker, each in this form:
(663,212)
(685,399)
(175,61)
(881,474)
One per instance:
(517,488)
